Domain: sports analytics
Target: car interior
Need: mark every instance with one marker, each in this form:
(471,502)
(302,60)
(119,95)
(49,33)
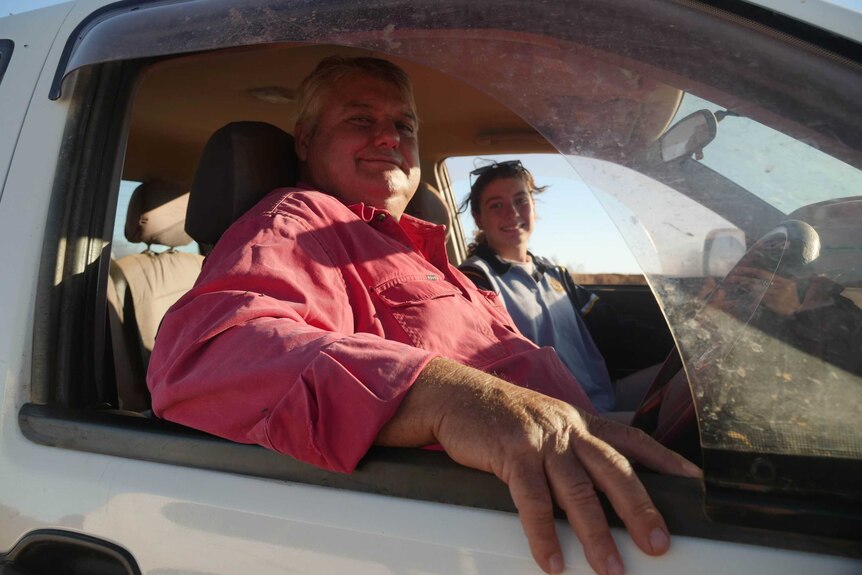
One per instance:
(225,139)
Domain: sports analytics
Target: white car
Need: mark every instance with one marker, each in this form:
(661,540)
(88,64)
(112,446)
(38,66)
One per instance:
(722,139)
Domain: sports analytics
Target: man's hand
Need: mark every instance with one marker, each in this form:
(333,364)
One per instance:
(545,450)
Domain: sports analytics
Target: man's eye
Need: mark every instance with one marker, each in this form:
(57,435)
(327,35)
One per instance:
(361,120)
(494,206)
(406,128)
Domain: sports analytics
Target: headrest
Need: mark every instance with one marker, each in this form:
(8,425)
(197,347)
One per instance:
(831,213)
(839,224)
(156,214)
(241,163)
(428,204)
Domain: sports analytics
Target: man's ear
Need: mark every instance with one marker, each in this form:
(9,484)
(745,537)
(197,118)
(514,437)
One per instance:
(301,137)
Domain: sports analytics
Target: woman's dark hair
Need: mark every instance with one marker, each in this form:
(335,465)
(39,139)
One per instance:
(484,176)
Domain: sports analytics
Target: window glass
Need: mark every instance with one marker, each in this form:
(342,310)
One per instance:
(773,349)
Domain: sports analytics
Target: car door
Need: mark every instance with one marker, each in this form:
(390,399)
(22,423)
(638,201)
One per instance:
(138,87)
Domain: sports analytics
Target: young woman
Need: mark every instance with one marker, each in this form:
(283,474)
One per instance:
(543,300)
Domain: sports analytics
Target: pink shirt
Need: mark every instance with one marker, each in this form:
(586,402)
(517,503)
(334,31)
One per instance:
(311,320)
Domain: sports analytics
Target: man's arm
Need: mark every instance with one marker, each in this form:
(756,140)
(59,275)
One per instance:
(545,450)
(264,348)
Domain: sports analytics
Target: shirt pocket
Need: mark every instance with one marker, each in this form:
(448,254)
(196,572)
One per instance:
(432,314)
(414,289)
(420,306)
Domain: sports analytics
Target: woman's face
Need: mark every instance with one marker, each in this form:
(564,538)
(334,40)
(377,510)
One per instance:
(507,215)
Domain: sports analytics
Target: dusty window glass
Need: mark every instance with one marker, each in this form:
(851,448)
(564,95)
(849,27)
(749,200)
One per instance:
(764,311)
(769,323)
(786,172)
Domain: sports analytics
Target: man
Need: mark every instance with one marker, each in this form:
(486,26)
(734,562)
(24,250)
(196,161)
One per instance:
(322,323)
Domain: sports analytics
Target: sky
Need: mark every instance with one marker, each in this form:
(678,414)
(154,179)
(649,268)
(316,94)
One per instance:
(572,227)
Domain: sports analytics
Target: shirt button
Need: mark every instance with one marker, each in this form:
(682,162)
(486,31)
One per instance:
(381,217)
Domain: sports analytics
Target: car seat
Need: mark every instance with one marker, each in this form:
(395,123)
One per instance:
(838,223)
(428,204)
(243,161)
(240,164)
(143,286)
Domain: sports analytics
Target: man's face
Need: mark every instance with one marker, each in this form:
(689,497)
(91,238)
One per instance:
(364,147)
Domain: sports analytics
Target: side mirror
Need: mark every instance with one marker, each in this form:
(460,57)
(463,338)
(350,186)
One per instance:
(689,135)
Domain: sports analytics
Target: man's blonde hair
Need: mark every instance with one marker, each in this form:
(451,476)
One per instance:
(330,71)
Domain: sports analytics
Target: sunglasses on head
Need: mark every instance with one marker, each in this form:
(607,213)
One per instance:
(474,175)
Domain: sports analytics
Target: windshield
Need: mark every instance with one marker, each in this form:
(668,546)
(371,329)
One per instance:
(786,172)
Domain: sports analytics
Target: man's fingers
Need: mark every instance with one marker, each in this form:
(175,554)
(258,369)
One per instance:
(532,498)
(612,473)
(637,445)
(574,493)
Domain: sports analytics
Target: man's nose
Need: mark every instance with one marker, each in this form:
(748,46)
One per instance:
(386,134)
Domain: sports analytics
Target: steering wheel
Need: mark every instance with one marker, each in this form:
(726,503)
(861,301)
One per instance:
(667,411)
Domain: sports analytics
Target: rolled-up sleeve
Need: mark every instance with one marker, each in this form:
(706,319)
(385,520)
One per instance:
(264,349)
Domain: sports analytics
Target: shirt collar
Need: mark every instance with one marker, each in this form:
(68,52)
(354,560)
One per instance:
(501,266)
(367,214)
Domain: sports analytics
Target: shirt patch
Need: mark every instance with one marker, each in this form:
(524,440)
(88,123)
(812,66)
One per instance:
(556,285)
(431,278)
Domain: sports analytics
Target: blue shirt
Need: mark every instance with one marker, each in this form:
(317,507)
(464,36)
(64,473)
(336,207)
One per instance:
(543,311)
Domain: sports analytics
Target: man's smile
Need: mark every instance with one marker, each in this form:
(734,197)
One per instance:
(386,160)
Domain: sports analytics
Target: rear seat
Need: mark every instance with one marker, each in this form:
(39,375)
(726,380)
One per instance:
(143,286)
